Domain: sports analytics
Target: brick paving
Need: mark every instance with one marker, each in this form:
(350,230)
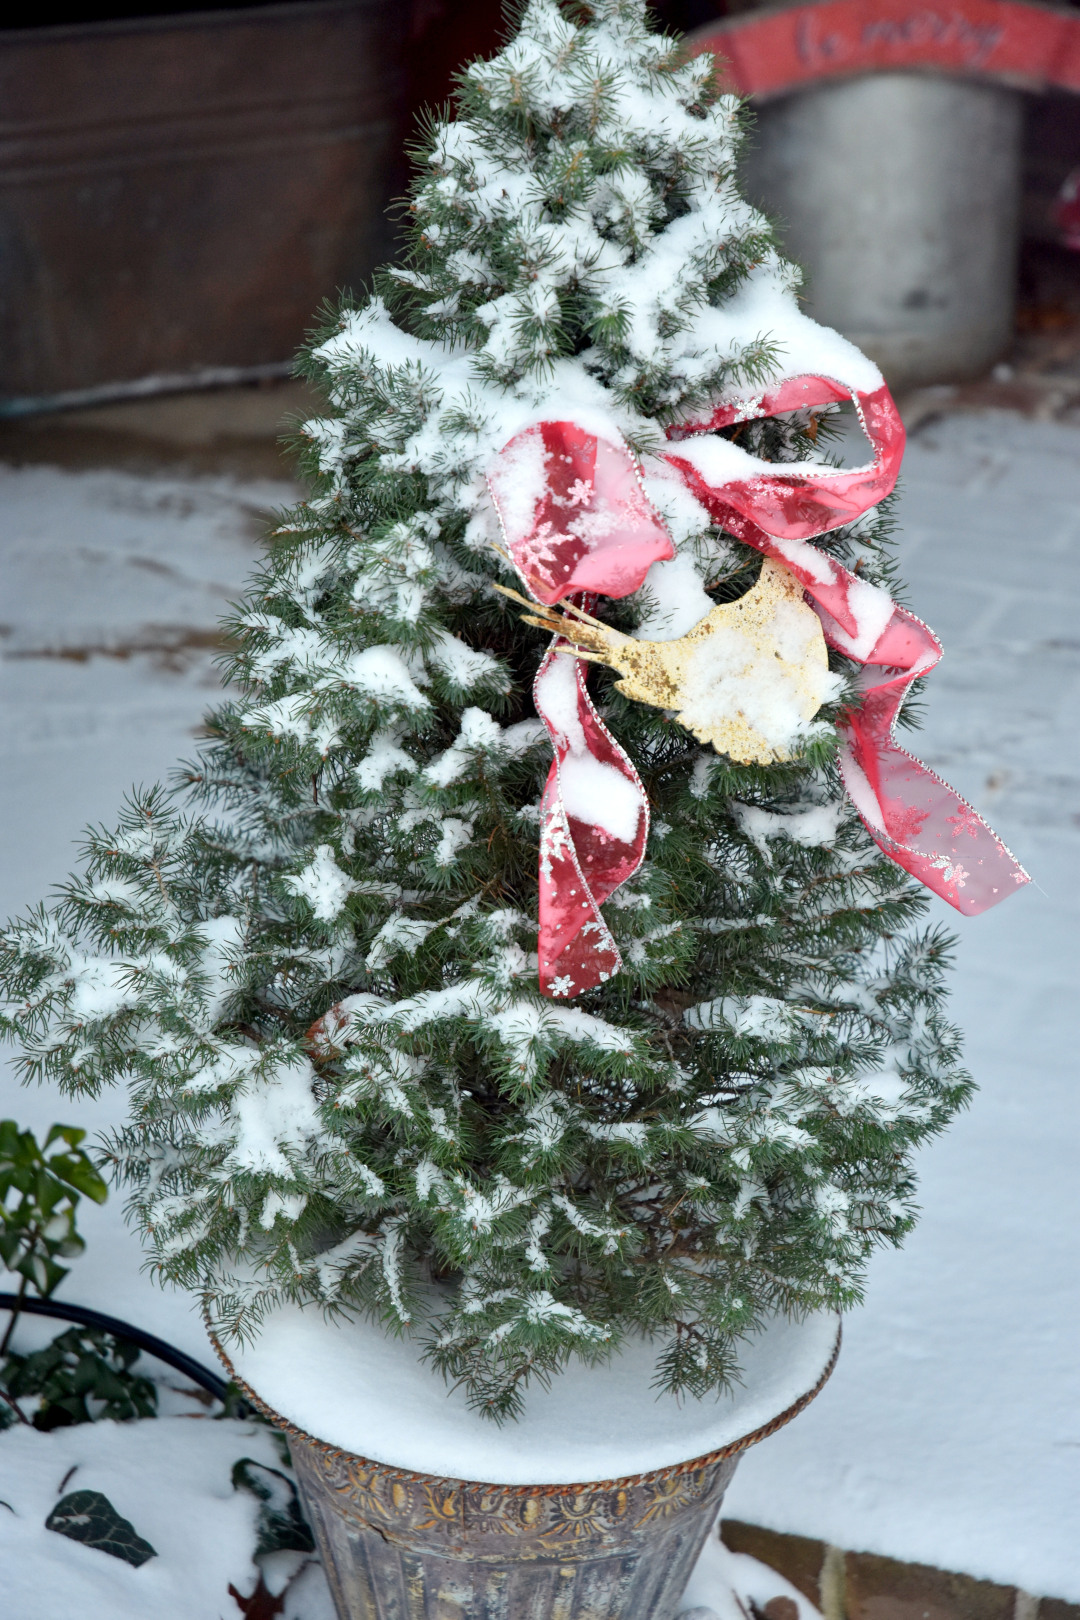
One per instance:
(871,1587)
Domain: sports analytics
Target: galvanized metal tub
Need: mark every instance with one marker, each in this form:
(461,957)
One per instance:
(899,194)
(401,1545)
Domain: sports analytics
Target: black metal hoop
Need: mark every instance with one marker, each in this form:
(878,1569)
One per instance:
(83,1316)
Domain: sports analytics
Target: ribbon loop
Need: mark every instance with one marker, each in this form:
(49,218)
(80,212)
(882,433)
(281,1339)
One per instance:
(802,499)
(574,512)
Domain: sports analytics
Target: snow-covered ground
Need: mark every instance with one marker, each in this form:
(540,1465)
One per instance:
(171,1479)
(950,1433)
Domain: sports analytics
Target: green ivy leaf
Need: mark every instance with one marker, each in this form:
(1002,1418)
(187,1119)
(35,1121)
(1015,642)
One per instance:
(71,1134)
(282,1526)
(90,1517)
(84,1375)
(77,1171)
(38,1227)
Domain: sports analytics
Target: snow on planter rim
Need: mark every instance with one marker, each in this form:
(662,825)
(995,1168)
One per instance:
(351,1386)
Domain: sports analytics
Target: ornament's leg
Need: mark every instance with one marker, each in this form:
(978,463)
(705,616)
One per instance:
(515,596)
(579,613)
(587,657)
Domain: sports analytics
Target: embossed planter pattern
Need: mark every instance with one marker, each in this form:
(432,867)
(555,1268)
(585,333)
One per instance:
(408,1547)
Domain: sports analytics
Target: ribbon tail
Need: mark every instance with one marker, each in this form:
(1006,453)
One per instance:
(919,821)
(915,817)
(594,825)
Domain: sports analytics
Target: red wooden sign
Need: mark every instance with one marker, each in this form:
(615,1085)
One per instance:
(766,53)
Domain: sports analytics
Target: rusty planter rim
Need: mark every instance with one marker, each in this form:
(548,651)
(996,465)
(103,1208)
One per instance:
(670,1471)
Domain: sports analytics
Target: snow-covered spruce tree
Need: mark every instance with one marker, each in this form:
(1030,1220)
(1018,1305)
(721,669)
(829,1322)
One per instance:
(314,966)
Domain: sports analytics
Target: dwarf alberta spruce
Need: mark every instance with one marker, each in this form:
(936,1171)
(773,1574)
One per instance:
(315,967)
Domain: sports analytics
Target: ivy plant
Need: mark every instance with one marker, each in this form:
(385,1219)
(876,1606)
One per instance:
(39,1193)
(83,1375)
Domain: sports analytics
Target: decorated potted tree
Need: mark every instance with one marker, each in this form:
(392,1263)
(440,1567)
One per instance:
(521,999)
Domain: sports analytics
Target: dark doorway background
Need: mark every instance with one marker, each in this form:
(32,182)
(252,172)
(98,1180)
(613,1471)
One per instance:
(182,186)
(443,34)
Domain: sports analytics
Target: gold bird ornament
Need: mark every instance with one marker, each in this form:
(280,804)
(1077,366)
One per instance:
(748,678)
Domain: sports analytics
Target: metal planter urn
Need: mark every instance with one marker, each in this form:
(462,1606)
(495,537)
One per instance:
(594,1506)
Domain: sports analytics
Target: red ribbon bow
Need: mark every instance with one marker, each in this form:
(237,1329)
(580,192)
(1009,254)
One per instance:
(577,520)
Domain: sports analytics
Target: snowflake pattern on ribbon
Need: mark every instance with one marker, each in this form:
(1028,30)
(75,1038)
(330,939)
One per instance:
(574,513)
